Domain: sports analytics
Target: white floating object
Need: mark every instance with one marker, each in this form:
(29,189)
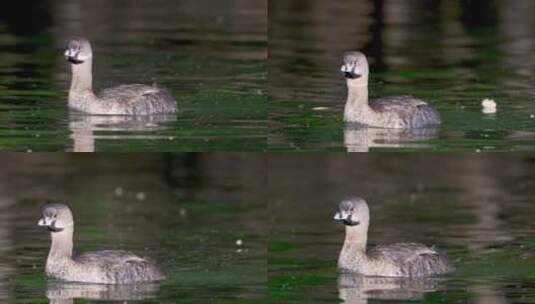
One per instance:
(119,191)
(489,106)
(320,108)
(239,242)
(141,196)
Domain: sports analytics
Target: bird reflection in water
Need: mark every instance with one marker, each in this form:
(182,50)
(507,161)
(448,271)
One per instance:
(66,292)
(85,129)
(358,138)
(355,288)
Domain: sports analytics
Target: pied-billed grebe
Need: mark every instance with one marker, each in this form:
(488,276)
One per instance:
(132,99)
(396,260)
(107,266)
(388,112)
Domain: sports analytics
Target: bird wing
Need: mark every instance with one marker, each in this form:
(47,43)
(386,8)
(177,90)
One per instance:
(111,257)
(400,253)
(128,92)
(397,103)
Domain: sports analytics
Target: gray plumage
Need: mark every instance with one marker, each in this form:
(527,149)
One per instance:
(133,99)
(121,266)
(138,99)
(413,259)
(395,260)
(389,112)
(107,266)
(411,112)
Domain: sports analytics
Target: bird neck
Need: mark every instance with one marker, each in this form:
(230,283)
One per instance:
(357,100)
(354,249)
(82,77)
(356,237)
(61,247)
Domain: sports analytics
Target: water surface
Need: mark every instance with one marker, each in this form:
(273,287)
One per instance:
(192,213)
(211,56)
(477,208)
(453,54)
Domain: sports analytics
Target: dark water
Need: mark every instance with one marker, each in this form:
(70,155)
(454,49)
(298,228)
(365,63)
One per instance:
(477,208)
(211,55)
(453,54)
(186,211)
(190,212)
